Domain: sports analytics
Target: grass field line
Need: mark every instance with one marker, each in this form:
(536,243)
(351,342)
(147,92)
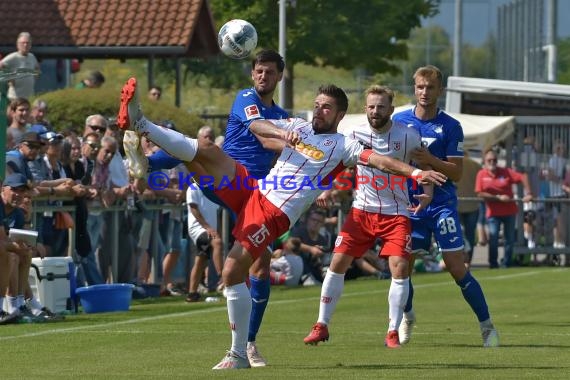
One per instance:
(64,330)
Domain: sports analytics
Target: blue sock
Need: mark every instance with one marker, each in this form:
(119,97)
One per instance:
(474,296)
(162,160)
(260,289)
(408,306)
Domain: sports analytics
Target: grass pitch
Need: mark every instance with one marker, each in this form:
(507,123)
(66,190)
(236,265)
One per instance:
(170,339)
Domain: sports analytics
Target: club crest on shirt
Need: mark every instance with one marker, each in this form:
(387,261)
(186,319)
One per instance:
(396,145)
(251,112)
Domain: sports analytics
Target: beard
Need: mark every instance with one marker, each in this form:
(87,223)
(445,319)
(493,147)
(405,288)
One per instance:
(378,123)
(324,127)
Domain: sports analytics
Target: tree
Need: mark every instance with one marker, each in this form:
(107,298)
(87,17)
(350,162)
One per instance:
(564,61)
(346,34)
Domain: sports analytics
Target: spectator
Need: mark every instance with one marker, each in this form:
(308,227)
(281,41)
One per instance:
(203,230)
(494,185)
(314,246)
(170,227)
(95,124)
(122,225)
(154,93)
(15,190)
(468,210)
(18,115)
(287,264)
(556,168)
(39,113)
(74,169)
(21,59)
(95,79)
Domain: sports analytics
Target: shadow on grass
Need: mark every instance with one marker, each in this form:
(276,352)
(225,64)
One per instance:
(438,366)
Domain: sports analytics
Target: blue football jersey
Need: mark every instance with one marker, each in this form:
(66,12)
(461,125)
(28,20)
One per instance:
(443,136)
(240,143)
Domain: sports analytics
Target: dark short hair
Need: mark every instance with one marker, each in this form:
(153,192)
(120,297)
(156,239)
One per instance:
(269,55)
(96,77)
(336,93)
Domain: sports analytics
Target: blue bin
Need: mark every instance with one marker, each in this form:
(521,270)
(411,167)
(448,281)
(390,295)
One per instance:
(105,297)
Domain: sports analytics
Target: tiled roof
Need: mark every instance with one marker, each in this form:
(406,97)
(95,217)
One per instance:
(109,28)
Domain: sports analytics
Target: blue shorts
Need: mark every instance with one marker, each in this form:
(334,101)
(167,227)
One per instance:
(443,222)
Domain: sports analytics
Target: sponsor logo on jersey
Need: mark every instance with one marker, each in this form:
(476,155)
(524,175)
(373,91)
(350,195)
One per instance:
(397,145)
(251,112)
(438,129)
(460,146)
(310,151)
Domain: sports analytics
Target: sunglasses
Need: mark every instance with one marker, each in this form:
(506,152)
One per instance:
(93,145)
(97,127)
(33,146)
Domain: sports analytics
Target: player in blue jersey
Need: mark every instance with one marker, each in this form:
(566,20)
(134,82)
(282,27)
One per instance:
(256,154)
(442,150)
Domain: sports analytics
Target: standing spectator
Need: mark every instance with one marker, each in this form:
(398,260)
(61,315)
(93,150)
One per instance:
(494,185)
(95,124)
(203,230)
(95,79)
(21,59)
(122,189)
(154,93)
(556,173)
(39,113)
(74,169)
(18,116)
(468,210)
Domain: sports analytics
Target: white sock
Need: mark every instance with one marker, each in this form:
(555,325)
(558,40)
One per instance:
(35,305)
(331,291)
(12,304)
(239,310)
(397,297)
(172,142)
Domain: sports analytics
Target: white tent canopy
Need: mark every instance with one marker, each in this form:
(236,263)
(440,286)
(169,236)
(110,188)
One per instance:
(480,131)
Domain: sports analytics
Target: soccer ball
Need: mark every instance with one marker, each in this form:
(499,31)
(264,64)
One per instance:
(237,39)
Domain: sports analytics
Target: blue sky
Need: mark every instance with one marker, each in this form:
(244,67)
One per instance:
(480,18)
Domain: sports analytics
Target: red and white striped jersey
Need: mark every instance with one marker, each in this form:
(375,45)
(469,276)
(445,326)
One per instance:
(303,172)
(377,191)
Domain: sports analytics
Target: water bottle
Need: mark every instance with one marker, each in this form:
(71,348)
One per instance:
(212,299)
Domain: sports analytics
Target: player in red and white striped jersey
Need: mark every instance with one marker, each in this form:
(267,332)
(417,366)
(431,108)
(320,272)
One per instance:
(380,210)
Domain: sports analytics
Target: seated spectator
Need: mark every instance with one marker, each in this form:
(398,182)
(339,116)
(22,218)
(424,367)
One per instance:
(286,264)
(21,300)
(314,246)
(94,79)
(39,113)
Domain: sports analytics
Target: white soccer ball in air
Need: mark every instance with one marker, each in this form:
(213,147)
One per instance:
(237,39)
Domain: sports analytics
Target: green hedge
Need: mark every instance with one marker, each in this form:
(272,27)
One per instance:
(69,108)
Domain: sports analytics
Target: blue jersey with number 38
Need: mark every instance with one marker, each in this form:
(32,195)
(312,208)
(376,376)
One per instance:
(443,136)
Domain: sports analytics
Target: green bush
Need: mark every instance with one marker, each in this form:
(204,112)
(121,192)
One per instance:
(69,108)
